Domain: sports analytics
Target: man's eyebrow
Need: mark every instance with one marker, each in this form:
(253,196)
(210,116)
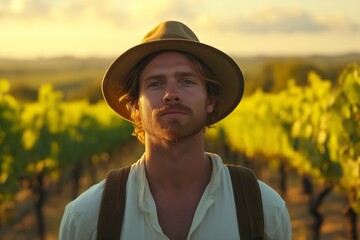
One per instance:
(185,74)
(155,77)
(177,75)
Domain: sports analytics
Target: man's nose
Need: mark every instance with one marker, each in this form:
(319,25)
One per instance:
(171,95)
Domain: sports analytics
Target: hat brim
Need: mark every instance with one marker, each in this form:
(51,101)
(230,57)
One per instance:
(223,66)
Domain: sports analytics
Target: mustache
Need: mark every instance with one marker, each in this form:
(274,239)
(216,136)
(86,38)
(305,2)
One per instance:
(173,107)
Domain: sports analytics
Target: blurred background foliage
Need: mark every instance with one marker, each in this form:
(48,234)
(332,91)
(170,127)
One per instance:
(299,115)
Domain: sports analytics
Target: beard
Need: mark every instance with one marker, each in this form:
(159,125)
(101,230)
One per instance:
(174,129)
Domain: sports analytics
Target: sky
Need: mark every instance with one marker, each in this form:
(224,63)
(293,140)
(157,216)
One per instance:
(107,28)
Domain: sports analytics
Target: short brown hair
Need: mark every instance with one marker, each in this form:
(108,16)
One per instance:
(132,88)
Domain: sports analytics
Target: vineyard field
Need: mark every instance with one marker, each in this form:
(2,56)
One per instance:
(303,140)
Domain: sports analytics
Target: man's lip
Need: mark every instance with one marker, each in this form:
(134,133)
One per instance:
(170,112)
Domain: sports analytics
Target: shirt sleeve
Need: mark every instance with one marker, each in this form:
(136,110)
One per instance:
(283,228)
(80,217)
(276,216)
(67,226)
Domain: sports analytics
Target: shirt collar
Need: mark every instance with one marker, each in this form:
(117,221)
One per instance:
(146,201)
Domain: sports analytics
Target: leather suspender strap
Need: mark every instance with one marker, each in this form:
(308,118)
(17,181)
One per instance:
(247,198)
(248,203)
(113,204)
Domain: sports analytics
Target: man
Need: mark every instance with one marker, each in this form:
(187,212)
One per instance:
(171,87)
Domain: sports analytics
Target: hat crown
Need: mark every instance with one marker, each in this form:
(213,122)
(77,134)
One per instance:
(170,30)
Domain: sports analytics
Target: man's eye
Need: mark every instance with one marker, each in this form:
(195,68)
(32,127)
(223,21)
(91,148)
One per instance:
(155,84)
(187,82)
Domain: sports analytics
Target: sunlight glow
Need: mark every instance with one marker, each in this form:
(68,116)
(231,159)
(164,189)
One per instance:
(40,28)
(17,6)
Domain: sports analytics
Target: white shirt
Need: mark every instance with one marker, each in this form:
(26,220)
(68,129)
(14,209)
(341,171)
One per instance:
(214,219)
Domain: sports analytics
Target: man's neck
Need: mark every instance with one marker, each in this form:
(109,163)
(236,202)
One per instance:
(177,165)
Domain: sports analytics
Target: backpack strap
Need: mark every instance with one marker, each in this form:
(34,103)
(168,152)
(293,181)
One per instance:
(249,209)
(113,204)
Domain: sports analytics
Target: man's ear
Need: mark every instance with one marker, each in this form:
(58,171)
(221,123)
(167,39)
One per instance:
(210,105)
(136,105)
(134,109)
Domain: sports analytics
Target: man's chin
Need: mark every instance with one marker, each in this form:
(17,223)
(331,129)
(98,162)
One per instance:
(179,134)
(175,130)
(173,125)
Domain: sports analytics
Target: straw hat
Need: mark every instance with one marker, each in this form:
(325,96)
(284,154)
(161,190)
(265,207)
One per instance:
(173,35)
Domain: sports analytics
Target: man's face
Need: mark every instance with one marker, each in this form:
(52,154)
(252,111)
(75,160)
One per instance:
(173,101)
